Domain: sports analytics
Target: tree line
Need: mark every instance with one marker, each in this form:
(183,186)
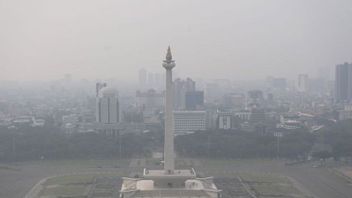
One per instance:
(49,142)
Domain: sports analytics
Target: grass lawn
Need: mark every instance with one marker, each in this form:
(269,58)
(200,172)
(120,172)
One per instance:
(70,179)
(83,163)
(217,163)
(275,190)
(5,167)
(263,178)
(270,185)
(74,190)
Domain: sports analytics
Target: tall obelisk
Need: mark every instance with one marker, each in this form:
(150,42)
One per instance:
(169,154)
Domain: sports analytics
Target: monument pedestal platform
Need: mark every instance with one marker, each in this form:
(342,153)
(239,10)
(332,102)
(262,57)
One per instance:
(180,183)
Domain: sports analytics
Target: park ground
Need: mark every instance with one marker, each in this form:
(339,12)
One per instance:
(17,179)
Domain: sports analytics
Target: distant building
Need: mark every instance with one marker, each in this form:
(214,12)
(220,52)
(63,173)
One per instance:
(235,101)
(243,115)
(270,100)
(318,85)
(194,100)
(150,103)
(181,87)
(98,87)
(212,119)
(107,112)
(343,83)
(346,113)
(189,121)
(154,81)
(213,93)
(225,120)
(23,121)
(142,79)
(302,83)
(70,123)
(257,116)
(277,83)
(290,122)
(255,98)
(107,106)
(149,80)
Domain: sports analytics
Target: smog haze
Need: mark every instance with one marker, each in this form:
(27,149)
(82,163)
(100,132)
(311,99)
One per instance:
(43,40)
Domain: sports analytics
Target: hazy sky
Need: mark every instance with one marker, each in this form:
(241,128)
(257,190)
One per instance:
(235,39)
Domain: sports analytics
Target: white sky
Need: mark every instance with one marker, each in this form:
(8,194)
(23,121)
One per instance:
(235,39)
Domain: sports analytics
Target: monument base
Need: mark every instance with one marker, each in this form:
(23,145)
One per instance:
(158,183)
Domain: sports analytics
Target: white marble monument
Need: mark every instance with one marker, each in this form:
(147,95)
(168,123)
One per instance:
(169,182)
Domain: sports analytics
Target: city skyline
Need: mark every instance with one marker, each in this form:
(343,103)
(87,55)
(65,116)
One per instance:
(175,98)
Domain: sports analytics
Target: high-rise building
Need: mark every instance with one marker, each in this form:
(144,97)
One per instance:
(343,83)
(149,103)
(255,98)
(302,83)
(98,87)
(150,80)
(142,78)
(194,100)
(107,106)
(181,87)
(213,92)
(235,101)
(277,83)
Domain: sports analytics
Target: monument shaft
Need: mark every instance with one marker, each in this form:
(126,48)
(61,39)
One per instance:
(169,153)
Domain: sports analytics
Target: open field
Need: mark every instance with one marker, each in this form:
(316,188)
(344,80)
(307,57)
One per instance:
(271,185)
(17,179)
(346,172)
(78,185)
(84,179)
(102,185)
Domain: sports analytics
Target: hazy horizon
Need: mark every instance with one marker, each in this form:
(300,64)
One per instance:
(43,40)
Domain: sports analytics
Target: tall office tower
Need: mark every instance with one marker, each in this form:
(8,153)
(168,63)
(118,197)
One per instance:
(142,78)
(343,83)
(181,87)
(302,83)
(194,100)
(213,93)
(107,106)
(255,98)
(149,103)
(159,81)
(98,87)
(277,83)
(169,182)
(234,101)
(150,80)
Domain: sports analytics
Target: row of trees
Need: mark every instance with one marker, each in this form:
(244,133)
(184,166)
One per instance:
(244,145)
(49,142)
(43,143)
(338,139)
